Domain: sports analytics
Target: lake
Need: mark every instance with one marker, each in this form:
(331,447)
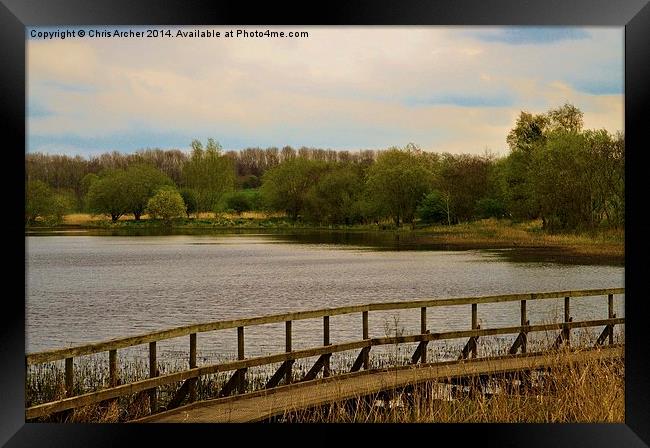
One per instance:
(90,288)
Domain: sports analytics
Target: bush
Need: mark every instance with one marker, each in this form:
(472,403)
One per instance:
(238,202)
(166,204)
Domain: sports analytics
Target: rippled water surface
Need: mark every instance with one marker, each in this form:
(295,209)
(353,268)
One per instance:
(89,288)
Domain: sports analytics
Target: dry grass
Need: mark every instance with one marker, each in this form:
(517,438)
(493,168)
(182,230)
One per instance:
(491,232)
(591,392)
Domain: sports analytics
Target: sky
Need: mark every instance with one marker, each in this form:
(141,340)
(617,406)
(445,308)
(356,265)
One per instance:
(446,89)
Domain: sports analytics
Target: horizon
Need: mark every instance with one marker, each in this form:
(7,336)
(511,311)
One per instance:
(446,89)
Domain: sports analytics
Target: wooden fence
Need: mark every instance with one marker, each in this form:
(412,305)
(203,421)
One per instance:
(237,381)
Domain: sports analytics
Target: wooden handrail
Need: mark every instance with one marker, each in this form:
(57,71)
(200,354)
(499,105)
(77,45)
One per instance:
(146,384)
(119,343)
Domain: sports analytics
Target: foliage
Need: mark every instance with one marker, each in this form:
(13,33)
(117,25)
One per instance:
(191,201)
(209,173)
(166,204)
(335,198)
(434,208)
(108,194)
(397,181)
(237,202)
(42,202)
(286,186)
(142,181)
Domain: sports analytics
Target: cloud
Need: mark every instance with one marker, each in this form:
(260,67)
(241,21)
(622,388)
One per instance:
(461,100)
(531,35)
(342,88)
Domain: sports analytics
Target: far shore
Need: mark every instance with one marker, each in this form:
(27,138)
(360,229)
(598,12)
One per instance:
(526,237)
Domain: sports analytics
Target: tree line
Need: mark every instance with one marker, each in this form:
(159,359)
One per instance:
(556,171)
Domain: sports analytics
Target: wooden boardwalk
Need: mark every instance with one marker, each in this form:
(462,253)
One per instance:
(309,391)
(263,405)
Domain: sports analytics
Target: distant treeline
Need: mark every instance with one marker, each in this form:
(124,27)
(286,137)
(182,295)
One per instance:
(569,177)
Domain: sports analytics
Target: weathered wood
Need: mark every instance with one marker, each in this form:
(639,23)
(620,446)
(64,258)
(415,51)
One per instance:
(474,326)
(237,380)
(143,385)
(288,372)
(69,377)
(567,318)
(180,394)
(423,329)
(361,359)
(611,315)
(112,368)
(326,342)
(524,321)
(365,352)
(318,365)
(118,343)
(420,353)
(262,405)
(193,381)
(240,342)
(283,372)
(607,331)
(153,372)
(515,345)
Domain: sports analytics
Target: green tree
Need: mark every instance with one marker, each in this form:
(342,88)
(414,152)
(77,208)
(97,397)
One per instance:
(109,195)
(142,181)
(190,199)
(434,208)
(43,202)
(37,200)
(396,182)
(209,173)
(335,197)
(166,204)
(285,187)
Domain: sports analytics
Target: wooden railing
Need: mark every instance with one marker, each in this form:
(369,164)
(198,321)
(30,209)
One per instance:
(241,365)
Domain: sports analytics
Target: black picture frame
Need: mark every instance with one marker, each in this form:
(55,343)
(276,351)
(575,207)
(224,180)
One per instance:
(634,15)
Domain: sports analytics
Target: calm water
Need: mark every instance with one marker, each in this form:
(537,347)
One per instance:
(89,288)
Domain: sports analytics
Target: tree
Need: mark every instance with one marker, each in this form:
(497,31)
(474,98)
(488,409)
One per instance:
(109,195)
(166,204)
(286,186)
(209,173)
(397,181)
(335,197)
(42,202)
(434,208)
(190,200)
(37,200)
(142,181)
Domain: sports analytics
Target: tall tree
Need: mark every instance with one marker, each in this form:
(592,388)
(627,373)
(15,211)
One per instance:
(397,182)
(209,173)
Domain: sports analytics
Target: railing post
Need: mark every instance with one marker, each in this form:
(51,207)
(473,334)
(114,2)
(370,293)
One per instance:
(423,329)
(240,356)
(567,318)
(112,368)
(366,355)
(524,322)
(474,327)
(326,342)
(192,384)
(288,375)
(69,376)
(153,372)
(611,315)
